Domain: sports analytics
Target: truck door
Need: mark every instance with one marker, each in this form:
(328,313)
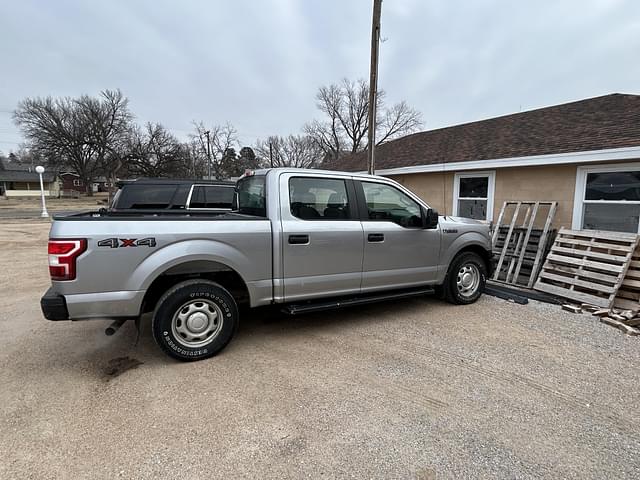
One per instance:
(322,239)
(398,252)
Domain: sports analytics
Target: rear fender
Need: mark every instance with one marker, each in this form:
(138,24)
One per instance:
(187,251)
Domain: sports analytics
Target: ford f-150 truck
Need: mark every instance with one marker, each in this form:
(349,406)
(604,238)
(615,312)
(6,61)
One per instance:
(304,239)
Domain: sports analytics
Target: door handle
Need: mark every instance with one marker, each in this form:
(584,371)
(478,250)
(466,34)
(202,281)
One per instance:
(375,237)
(298,239)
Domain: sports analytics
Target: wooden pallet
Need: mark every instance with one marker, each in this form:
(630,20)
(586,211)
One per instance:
(587,266)
(518,245)
(628,296)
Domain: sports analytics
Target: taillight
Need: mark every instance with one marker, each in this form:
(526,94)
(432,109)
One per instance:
(62,257)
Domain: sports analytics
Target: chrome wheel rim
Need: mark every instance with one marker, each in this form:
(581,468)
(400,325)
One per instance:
(468,280)
(197,323)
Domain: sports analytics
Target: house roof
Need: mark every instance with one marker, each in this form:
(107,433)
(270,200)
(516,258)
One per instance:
(6,164)
(23,176)
(606,122)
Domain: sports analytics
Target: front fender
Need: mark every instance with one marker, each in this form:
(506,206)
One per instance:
(466,239)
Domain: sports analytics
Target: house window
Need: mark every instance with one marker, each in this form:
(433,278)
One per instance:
(77,182)
(608,198)
(473,195)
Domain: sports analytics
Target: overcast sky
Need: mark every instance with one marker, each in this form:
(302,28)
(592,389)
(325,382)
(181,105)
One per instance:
(258,64)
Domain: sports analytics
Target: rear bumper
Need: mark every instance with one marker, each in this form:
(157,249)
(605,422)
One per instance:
(54,306)
(91,305)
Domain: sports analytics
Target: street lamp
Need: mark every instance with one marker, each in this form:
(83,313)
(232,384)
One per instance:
(40,171)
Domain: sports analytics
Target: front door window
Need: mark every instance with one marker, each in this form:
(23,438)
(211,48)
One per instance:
(388,203)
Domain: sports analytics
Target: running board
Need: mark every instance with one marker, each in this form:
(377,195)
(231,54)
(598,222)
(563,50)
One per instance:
(321,305)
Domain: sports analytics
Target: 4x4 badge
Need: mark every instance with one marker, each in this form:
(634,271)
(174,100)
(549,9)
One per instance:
(127,242)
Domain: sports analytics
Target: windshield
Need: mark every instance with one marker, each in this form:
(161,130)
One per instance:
(251,196)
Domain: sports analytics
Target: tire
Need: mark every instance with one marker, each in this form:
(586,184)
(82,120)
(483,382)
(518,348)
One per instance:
(194,320)
(465,279)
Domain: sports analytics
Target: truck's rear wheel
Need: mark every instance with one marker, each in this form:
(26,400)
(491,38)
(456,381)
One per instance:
(465,279)
(194,320)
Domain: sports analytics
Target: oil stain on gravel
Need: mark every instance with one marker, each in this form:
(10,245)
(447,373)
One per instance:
(117,366)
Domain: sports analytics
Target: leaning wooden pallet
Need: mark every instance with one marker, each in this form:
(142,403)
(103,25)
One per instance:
(628,296)
(587,266)
(518,245)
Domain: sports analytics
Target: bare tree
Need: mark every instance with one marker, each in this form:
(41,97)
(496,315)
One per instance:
(221,138)
(154,152)
(345,125)
(299,151)
(76,133)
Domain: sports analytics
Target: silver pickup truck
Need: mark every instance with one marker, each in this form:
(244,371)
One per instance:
(304,239)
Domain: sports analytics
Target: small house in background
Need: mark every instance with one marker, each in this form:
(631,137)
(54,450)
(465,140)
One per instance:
(21,180)
(585,155)
(72,181)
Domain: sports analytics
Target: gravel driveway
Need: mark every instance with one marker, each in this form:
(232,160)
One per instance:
(412,389)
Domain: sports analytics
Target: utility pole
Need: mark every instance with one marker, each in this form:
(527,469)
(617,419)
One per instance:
(207,132)
(271,153)
(373,85)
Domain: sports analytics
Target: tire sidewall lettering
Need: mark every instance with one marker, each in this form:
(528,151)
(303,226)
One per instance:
(165,333)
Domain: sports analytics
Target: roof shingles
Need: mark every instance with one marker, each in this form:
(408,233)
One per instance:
(610,121)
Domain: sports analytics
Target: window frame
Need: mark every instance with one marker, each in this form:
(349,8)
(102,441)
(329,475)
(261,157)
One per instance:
(351,199)
(77,182)
(491,187)
(215,209)
(581,190)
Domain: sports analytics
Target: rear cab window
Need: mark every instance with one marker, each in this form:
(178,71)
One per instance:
(251,196)
(145,196)
(319,199)
(211,197)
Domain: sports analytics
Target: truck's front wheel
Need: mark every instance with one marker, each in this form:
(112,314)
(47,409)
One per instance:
(194,320)
(465,279)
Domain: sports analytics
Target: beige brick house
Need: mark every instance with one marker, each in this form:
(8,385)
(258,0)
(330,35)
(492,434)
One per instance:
(584,154)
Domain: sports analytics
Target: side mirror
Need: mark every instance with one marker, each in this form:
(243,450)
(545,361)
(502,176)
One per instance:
(429,219)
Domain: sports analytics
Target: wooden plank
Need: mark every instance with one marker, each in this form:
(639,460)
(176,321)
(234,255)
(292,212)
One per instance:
(574,241)
(526,239)
(627,282)
(595,275)
(629,295)
(596,287)
(588,253)
(620,326)
(599,234)
(535,269)
(607,267)
(498,223)
(573,295)
(571,308)
(626,267)
(633,274)
(507,238)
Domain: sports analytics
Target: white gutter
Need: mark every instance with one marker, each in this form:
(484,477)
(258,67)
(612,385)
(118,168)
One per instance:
(607,155)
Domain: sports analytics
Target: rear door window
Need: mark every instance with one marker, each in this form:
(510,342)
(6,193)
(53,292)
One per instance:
(319,199)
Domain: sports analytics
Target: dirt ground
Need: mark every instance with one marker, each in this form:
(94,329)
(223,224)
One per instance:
(31,207)
(413,389)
